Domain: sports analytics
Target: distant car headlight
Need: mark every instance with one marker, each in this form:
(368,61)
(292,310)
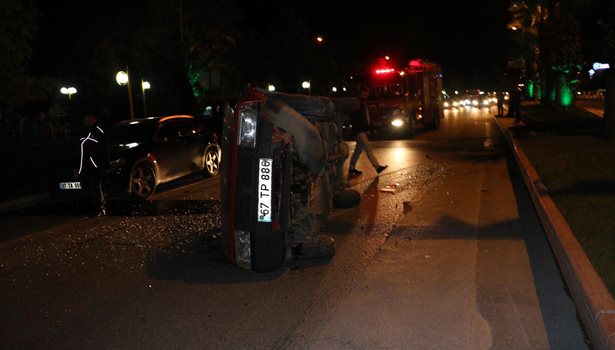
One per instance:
(455,104)
(397,123)
(474,102)
(486,102)
(248,121)
(446,104)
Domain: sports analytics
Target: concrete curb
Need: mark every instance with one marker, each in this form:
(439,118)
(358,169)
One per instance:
(594,303)
(23,202)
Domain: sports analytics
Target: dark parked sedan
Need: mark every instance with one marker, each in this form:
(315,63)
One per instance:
(147,152)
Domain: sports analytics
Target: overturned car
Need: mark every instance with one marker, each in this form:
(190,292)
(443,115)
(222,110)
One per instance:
(281,175)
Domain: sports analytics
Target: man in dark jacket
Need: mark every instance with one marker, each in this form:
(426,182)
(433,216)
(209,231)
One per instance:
(361,125)
(93,160)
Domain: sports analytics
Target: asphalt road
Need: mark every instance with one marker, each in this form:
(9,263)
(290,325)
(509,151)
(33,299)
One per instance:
(593,106)
(445,251)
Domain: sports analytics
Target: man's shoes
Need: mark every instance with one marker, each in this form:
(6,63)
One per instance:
(353,171)
(381,168)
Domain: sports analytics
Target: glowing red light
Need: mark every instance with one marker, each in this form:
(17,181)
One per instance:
(414,63)
(385,71)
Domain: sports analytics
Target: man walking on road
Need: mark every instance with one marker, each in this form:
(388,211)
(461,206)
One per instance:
(361,125)
(93,160)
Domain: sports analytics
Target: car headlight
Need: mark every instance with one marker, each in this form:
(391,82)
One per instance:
(446,104)
(475,102)
(248,121)
(486,102)
(397,122)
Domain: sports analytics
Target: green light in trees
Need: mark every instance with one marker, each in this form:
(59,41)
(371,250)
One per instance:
(194,77)
(566,96)
(530,89)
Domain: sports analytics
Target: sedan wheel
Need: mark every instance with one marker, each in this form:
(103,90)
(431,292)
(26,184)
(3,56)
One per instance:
(211,160)
(143,182)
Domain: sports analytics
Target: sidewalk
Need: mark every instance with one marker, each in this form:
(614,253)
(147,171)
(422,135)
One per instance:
(594,302)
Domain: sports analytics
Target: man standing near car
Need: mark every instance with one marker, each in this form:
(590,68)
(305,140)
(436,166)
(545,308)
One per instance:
(361,125)
(93,160)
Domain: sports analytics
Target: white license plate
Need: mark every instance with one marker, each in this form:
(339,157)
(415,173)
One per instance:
(263,211)
(70,185)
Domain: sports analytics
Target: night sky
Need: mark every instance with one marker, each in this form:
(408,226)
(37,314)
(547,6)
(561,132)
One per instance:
(469,38)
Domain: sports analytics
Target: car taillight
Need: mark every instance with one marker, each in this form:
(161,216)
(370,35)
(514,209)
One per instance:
(243,249)
(248,121)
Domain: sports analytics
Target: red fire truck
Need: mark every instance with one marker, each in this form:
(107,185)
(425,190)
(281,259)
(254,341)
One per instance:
(402,99)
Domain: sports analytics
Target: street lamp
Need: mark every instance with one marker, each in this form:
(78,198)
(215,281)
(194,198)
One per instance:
(308,86)
(70,91)
(122,79)
(270,87)
(145,85)
(320,39)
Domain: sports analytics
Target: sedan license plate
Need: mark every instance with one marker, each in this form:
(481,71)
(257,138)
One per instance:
(264,190)
(70,185)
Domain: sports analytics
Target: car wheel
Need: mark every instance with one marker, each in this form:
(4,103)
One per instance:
(211,160)
(142,181)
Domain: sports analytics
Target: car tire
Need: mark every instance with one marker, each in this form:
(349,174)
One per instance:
(142,181)
(211,160)
(346,199)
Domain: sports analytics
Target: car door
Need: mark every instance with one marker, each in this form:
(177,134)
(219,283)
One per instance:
(168,151)
(192,143)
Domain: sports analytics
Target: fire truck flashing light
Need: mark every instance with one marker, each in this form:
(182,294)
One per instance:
(384,71)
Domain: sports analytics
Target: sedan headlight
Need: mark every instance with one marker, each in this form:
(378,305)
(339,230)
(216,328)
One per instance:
(446,104)
(248,121)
